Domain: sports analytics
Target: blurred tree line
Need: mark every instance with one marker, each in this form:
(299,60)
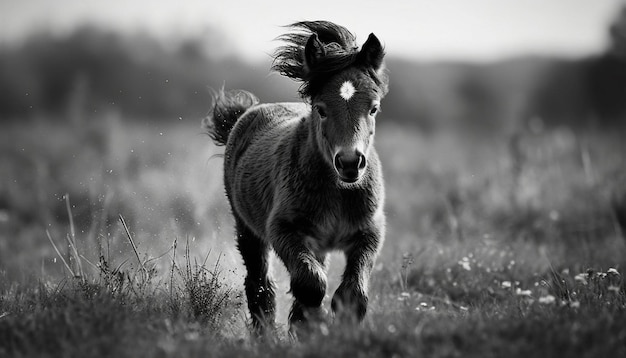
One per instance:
(99,70)
(516,92)
(94,71)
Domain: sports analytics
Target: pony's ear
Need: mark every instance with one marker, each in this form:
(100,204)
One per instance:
(313,50)
(372,53)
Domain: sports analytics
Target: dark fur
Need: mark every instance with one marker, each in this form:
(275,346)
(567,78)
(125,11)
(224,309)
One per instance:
(286,189)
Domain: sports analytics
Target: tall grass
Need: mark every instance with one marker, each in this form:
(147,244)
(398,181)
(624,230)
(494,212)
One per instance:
(117,311)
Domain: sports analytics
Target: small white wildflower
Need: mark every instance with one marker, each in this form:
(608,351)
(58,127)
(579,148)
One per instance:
(520,292)
(554,215)
(192,336)
(581,277)
(423,304)
(613,288)
(465,264)
(612,271)
(324,329)
(547,300)
(506,284)
(4,216)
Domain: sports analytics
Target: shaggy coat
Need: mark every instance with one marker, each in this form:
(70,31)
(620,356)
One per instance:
(304,179)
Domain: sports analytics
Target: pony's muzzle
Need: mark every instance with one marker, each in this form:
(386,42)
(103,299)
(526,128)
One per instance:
(350,165)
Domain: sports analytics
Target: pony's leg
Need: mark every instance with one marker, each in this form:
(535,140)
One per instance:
(307,271)
(258,284)
(300,314)
(350,300)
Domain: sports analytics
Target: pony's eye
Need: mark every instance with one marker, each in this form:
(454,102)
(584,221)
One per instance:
(374,110)
(321,111)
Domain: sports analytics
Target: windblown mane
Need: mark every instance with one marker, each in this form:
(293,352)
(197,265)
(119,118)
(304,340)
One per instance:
(339,52)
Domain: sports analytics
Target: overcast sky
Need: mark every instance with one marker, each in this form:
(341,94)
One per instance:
(425,29)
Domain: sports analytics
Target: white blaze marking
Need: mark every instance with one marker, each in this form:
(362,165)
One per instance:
(347,90)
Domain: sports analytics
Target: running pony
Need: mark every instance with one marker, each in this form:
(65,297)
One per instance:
(304,179)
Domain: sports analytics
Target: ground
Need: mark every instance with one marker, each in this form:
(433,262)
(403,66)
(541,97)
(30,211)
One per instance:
(498,244)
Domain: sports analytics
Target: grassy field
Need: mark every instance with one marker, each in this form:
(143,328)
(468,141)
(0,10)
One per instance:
(498,245)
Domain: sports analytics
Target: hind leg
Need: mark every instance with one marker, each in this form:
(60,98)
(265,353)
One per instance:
(258,284)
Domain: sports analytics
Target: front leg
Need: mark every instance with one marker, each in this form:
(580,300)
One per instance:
(351,298)
(307,270)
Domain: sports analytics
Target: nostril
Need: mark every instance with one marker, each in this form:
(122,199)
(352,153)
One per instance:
(338,162)
(362,161)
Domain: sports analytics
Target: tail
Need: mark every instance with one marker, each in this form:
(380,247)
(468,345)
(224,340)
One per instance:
(228,106)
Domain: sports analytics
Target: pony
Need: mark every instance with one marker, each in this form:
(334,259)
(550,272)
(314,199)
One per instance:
(304,178)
